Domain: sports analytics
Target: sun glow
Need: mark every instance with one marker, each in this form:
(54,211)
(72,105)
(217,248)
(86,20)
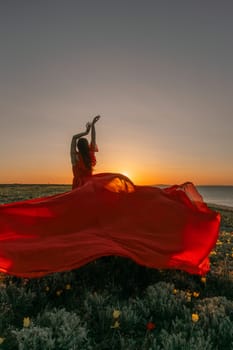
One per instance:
(126,173)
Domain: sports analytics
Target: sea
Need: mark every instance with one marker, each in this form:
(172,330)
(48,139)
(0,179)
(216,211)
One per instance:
(218,195)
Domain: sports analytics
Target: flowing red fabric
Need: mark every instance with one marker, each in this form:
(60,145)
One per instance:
(169,228)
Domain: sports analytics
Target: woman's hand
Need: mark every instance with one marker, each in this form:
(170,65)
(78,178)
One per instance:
(88,127)
(95,120)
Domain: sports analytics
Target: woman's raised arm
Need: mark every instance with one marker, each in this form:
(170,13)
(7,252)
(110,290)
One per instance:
(74,143)
(93,132)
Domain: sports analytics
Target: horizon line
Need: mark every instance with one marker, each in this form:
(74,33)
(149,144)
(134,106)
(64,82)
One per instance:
(65,184)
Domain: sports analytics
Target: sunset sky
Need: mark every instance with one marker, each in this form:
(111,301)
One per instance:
(158,72)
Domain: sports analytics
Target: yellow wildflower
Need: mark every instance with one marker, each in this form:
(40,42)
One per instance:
(196,294)
(116,314)
(68,287)
(203,279)
(58,292)
(174,291)
(26,322)
(1,340)
(213,252)
(195,317)
(116,324)
(188,296)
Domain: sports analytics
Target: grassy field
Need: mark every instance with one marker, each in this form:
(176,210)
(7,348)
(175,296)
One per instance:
(113,303)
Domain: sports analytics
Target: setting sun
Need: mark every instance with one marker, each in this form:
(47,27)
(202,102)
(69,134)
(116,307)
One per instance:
(126,173)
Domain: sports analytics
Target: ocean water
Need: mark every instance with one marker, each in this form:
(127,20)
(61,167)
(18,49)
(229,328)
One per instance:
(219,195)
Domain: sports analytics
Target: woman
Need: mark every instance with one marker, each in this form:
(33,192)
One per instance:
(170,228)
(84,159)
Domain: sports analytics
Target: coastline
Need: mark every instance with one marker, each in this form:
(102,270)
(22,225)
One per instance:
(226,225)
(219,207)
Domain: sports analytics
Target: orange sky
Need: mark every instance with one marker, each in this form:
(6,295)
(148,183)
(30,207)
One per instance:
(160,76)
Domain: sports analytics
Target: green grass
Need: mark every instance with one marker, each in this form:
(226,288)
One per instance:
(157,308)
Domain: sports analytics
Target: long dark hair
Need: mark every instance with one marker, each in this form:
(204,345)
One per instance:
(83,148)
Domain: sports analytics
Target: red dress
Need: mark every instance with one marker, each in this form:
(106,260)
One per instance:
(80,171)
(169,228)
